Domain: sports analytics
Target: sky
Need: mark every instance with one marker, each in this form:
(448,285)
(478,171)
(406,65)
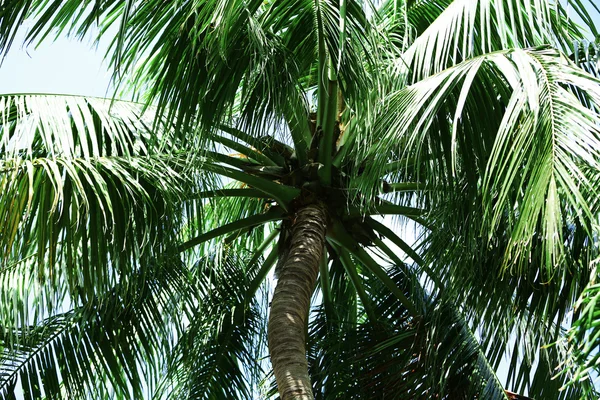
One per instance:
(66,66)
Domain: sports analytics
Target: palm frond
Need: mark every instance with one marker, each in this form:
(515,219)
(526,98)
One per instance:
(566,139)
(524,329)
(219,354)
(88,194)
(388,356)
(112,344)
(467,29)
(202,55)
(225,216)
(583,339)
(515,314)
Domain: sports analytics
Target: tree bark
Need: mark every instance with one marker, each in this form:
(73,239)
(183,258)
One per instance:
(291,302)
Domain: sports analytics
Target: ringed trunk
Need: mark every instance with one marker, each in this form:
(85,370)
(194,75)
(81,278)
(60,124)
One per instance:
(291,302)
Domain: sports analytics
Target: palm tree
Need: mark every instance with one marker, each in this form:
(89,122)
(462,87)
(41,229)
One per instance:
(138,239)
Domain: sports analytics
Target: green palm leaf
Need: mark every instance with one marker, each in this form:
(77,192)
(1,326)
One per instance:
(219,354)
(112,344)
(85,186)
(467,29)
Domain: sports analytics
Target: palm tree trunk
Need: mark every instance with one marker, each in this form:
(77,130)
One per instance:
(291,301)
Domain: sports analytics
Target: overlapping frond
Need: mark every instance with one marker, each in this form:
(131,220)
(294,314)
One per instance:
(586,55)
(198,54)
(531,159)
(583,338)
(219,355)
(385,352)
(88,194)
(461,30)
(208,61)
(112,345)
(515,314)
(547,174)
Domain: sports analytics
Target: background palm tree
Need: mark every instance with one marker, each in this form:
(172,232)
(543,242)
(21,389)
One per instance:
(131,268)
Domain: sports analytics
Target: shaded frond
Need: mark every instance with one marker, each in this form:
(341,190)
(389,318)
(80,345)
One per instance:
(396,355)
(584,338)
(112,344)
(219,355)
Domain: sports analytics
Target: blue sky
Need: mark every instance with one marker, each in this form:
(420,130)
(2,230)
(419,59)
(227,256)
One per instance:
(66,66)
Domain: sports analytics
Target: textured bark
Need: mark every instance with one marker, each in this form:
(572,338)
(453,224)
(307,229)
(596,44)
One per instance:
(291,301)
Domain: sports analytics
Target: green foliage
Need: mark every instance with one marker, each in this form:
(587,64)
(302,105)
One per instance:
(137,240)
(218,355)
(113,344)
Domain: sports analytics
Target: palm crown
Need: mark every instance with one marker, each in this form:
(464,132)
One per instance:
(138,239)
